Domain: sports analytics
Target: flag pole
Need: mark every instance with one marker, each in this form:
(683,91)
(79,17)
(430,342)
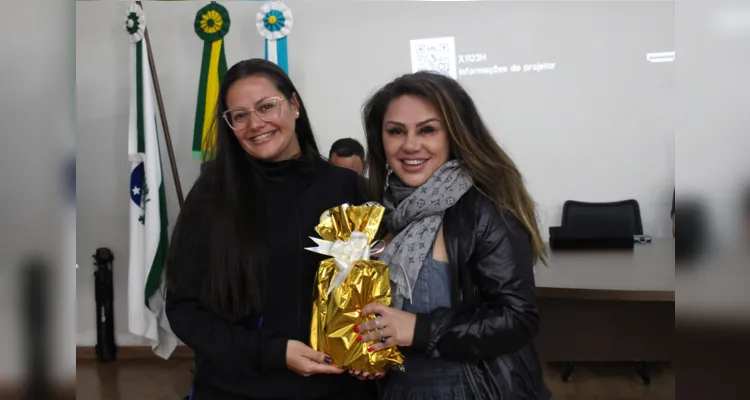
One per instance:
(162,114)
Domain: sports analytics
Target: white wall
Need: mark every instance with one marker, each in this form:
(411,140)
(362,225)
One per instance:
(598,128)
(712,116)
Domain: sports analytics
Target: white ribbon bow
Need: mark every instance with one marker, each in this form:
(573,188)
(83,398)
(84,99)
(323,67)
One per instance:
(346,253)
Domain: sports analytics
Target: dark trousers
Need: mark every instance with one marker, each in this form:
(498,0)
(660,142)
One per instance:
(426,379)
(212,394)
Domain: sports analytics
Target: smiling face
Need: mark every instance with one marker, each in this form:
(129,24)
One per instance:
(273,137)
(415,139)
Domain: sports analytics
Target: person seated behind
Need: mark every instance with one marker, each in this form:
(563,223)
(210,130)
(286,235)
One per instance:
(348,153)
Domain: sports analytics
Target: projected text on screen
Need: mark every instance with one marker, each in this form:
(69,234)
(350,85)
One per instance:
(439,54)
(503,69)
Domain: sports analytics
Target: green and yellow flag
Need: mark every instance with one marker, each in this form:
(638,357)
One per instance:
(211,24)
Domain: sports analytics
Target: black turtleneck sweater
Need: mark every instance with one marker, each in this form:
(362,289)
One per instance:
(247,359)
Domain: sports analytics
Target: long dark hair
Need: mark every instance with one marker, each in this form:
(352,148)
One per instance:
(233,209)
(471,143)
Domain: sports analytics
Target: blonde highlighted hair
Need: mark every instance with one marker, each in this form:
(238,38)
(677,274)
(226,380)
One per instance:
(494,173)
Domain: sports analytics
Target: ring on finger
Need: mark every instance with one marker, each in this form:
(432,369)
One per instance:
(377,323)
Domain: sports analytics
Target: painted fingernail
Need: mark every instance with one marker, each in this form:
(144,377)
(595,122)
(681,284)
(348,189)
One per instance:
(356,329)
(371,349)
(359,338)
(327,359)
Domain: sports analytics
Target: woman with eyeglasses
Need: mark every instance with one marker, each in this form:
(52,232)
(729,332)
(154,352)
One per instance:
(239,280)
(464,242)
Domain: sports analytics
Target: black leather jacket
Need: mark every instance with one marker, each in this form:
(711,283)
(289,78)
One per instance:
(492,325)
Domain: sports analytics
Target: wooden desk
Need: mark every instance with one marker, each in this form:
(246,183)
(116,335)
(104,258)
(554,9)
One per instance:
(607,305)
(645,273)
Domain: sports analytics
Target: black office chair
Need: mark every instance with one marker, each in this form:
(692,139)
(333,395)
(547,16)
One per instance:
(603,219)
(619,218)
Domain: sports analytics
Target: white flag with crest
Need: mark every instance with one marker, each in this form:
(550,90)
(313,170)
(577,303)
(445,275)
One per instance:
(148,207)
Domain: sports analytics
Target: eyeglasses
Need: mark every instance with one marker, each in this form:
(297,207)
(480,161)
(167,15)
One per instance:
(267,110)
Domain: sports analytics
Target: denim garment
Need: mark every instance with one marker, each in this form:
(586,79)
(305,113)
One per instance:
(432,289)
(425,378)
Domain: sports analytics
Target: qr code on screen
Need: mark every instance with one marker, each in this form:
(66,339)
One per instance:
(437,54)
